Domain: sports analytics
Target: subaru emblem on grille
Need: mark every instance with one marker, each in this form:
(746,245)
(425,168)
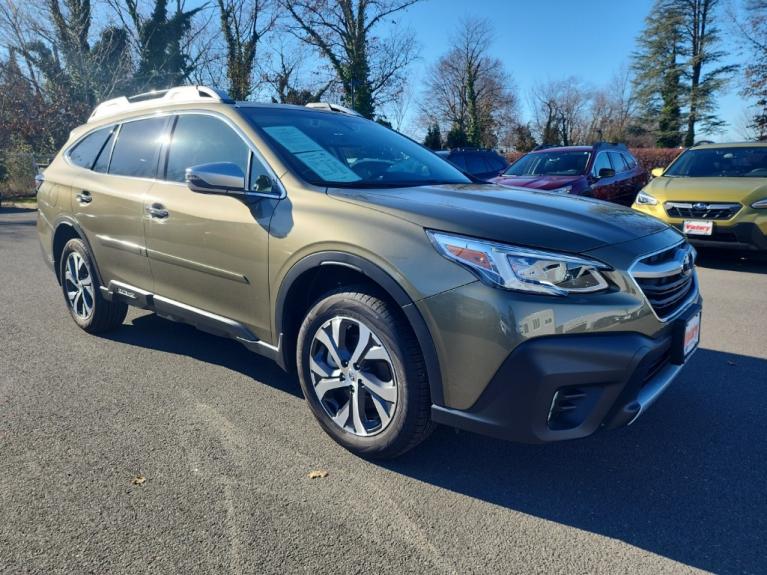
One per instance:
(700,207)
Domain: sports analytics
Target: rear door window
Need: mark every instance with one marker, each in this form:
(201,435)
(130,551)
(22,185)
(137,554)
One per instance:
(602,161)
(85,152)
(201,139)
(138,148)
(619,164)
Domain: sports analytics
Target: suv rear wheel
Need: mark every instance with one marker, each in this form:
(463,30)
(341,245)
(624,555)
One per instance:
(82,291)
(363,374)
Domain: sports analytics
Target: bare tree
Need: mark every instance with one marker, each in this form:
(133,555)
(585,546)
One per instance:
(369,68)
(290,82)
(612,109)
(243,24)
(470,93)
(560,109)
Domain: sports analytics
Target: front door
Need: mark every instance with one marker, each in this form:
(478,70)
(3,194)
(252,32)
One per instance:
(209,251)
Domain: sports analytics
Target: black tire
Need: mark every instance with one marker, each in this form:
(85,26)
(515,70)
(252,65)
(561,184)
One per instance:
(410,423)
(103,315)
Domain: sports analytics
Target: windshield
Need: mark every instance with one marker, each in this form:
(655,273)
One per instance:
(339,150)
(721,163)
(550,164)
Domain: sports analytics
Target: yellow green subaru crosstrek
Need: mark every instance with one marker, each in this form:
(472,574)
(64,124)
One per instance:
(716,194)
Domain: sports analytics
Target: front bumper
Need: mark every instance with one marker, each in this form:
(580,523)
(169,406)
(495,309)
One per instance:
(743,236)
(747,230)
(568,386)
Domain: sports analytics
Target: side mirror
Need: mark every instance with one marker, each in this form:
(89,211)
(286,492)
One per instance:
(606,173)
(216,178)
(657,172)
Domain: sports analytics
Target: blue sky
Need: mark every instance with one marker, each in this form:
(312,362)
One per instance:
(549,39)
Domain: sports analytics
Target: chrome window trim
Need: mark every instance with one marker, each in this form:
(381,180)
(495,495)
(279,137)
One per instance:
(115,128)
(252,147)
(694,293)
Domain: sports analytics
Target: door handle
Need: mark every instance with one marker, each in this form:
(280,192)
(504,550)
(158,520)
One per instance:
(84,197)
(157,211)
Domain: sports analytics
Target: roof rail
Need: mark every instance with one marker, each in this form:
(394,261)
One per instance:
(604,144)
(332,108)
(179,94)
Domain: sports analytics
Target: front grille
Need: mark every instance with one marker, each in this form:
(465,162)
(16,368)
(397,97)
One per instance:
(666,278)
(701,210)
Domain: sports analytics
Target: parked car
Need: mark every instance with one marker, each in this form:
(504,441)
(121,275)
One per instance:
(401,293)
(480,163)
(604,171)
(716,194)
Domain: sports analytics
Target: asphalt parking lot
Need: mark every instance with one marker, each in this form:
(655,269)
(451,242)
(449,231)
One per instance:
(225,443)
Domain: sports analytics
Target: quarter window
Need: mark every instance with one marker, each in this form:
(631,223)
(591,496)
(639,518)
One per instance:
(138,148)
(199,139)
(630,161)
(85,152)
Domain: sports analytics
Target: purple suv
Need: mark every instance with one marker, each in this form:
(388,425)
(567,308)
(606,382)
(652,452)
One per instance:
(603,171)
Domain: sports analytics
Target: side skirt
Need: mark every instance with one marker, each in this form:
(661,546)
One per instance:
(199,318)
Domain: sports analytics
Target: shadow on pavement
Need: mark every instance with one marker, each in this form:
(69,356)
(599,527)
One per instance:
(153,332)
(729,260)
(687,481)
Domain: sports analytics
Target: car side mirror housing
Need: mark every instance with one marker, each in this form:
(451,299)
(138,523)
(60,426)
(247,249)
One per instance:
(263,184)
(606,173)
(657,172)
(216,178)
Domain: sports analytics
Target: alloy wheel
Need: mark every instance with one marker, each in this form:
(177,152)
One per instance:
(78,285)
(353,376)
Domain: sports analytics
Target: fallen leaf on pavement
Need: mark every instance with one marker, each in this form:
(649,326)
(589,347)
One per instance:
(318,474)
(138,480)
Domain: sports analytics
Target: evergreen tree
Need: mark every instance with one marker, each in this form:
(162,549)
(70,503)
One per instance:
(456,137)
(433,139)
(163,62)
(658,73)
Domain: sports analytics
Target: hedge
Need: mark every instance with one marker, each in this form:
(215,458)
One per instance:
(648,158)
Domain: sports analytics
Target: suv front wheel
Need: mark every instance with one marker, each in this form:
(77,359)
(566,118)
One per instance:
(363,374)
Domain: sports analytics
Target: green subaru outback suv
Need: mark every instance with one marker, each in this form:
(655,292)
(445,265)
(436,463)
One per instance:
(401,292)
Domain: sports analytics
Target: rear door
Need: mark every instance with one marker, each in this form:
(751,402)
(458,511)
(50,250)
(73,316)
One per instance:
(209,251)
(639,176)
(108,199)
(604,188)
(623,182)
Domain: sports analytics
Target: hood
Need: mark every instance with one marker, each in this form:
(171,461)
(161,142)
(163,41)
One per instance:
(510,215)
(743,190)
(537,182)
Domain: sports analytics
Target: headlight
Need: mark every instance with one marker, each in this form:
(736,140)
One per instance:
(522,269)
(760,204)
(562,190)
(646,199)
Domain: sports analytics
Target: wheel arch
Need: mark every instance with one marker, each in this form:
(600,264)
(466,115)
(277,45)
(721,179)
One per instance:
(300,282)
(65,229)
